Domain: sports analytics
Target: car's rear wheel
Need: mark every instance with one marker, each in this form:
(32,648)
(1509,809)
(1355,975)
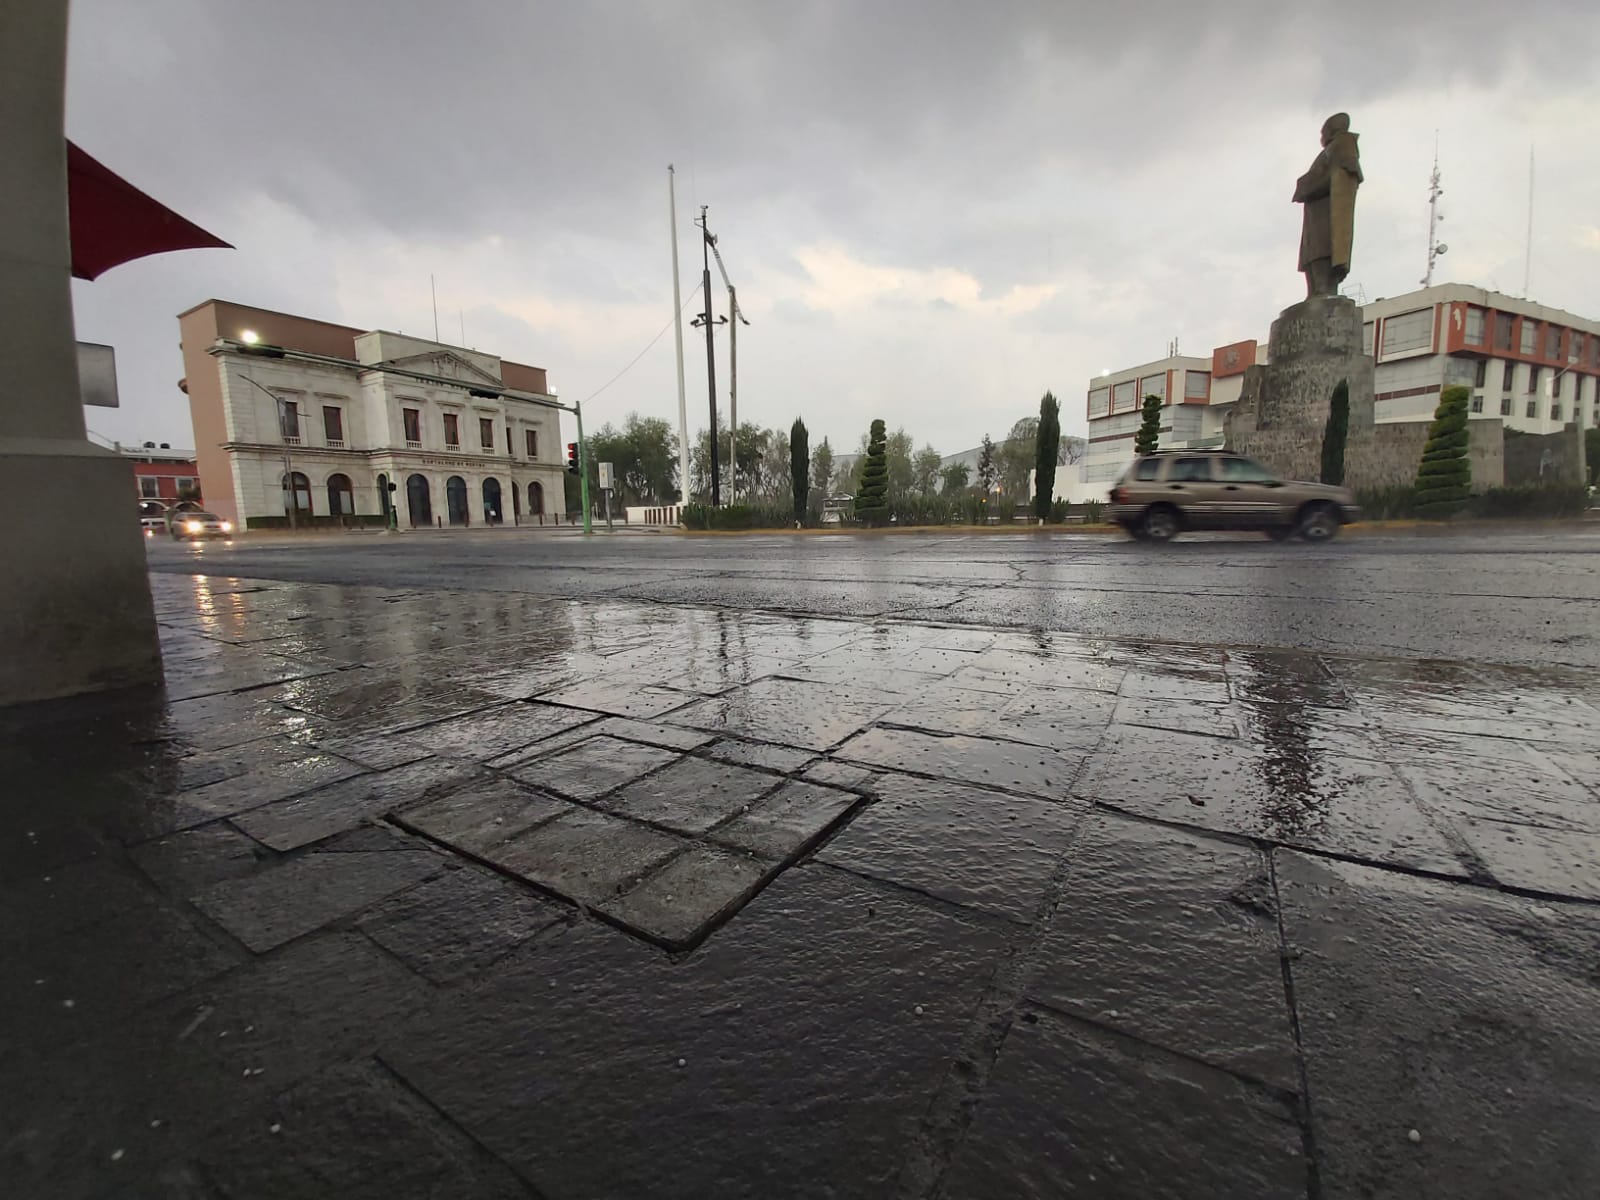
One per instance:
(1160,523)
(1134,529)
(1319,523)
(1279,533)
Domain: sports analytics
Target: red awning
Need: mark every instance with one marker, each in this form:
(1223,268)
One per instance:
(113,222)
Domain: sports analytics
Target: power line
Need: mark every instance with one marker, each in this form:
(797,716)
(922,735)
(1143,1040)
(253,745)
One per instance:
(639,355)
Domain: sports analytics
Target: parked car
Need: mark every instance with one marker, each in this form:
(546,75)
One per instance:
(193,525)
(1162,494)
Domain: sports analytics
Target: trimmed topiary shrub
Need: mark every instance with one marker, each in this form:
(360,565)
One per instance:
(872,497)
(1444,477)
(1149,435)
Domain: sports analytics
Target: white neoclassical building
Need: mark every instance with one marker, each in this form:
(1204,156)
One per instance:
(291,411)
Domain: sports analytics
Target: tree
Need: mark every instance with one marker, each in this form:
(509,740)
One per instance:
(1072,451)
(822,469)
(1336,434)
(987,470)
(872,494)
(955,478)
(1149,435)
(902,474)
(1015,456)
(799,468)
(925,470)
(644,459)
(1046,454)
(1444,477)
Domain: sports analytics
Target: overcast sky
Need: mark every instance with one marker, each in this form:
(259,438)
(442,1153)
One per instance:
(934,210)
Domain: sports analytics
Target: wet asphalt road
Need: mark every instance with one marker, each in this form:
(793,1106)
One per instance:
(1527,597)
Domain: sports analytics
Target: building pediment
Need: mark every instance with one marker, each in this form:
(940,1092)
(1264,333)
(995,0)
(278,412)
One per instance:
(445,365)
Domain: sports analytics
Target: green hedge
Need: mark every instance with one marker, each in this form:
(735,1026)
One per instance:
(737,516)
(1528,500)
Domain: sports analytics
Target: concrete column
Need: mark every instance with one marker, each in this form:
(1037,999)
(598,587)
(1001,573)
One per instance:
(75,610)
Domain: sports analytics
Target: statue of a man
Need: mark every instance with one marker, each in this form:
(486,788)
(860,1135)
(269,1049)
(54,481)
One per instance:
(1328,191)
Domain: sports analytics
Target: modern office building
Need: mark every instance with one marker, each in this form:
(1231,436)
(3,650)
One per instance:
(1535,368)
(289,411)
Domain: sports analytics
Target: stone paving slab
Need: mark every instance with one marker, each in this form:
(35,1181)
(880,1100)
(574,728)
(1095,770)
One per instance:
(789,712)
(482,813)
(1055,1122)
(984,850)
(691,795)
(276,905)
(1282,793)
(312,816)
(586,856)
(593,767)
(452,925)
(1037,770)
(782,824)
(1456,1012)
(1172,938)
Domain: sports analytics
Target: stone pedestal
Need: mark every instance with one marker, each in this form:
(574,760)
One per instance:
(75,611)
(1283,406)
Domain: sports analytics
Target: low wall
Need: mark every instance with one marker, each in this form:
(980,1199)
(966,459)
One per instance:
(1549,458)
(1388,455)
(658,514)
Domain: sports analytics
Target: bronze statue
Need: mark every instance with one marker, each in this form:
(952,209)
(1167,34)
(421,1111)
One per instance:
(1328,191)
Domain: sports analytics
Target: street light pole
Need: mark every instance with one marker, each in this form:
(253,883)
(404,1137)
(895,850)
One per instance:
(288,463)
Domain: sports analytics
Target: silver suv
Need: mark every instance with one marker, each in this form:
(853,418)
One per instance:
(1162,494)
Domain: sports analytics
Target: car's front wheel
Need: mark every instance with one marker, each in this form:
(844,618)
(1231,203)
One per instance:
(1319,523)
(1160,524)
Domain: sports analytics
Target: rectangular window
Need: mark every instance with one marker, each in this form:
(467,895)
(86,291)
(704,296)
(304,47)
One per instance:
(533,442)
(1190,470)
(1197,385)
(1552,341)
(1530,336)
(1555,385)
(486,432)
(412,420)
(1124,397)
(1533,380)
(1475,326)
(1153,385)
(148,488)
(184,482)
(333,425)
(1408,332)
(1366,338)
(1533,409)
(1481,375)
(290,414)
(1502,331)
(1555,412)
(1575,347)
(1477,404)
(1099,402)
(452,431)
(1509,377)
(1505,406)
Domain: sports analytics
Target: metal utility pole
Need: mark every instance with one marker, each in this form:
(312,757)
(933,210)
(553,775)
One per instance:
(735,316)
(710,323)
(288,464)
(677,334)
(583,470)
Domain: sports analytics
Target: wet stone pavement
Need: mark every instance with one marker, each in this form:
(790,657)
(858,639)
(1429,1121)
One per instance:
(399,893)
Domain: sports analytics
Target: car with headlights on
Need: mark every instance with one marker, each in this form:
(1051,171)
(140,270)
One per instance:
(195,525)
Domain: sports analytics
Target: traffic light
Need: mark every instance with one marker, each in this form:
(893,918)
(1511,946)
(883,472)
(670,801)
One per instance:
(572,457)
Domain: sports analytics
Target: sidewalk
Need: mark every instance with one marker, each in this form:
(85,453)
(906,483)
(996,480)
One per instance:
(399,893)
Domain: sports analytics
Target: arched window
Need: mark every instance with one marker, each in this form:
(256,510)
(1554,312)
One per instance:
(536,499)
(383,494)
(341,497)
(419,500)
(296,493)
(455,494)
(491,502)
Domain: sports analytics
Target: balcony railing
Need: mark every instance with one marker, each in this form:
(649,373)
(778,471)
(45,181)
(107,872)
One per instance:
(411,445)
(335,443)
(291,439)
